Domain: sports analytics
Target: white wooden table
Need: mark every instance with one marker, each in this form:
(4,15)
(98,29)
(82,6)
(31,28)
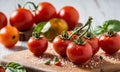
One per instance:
(100,10)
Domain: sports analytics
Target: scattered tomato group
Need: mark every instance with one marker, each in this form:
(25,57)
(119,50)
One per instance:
(23,19)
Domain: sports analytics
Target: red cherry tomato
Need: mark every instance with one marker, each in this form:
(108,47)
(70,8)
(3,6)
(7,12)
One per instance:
(94,43)
(9,36)
(110,44)
(22,19)
(37,46)
(3,20)
(70,15)
(78,53)
(44,12)
(60,45)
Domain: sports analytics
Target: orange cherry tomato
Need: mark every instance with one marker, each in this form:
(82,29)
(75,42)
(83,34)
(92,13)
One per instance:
(9,36)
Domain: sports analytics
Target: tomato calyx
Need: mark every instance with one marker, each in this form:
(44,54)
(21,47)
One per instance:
(64,35)
(110,33)
(89,35)
(79,41)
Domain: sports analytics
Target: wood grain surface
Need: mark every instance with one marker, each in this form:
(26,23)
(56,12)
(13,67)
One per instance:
(110,63)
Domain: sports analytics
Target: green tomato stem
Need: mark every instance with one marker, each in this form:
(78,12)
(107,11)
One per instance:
(33,4)
(64,35)
(19,6)
(80,28)
(79,38)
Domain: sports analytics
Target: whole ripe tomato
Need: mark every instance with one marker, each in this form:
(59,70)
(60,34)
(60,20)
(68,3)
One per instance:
(37,45)
(9,36)
(110,44)
(22,19)
(78,53)
(94,43)
(3,20)
(70,15)
(44,12)
(60,45)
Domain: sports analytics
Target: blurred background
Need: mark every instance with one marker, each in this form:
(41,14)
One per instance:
(100,10)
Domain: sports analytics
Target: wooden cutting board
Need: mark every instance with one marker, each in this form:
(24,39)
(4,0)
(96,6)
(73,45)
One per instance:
(110,63)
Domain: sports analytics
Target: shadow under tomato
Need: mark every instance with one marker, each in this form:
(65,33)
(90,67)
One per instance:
(18,48)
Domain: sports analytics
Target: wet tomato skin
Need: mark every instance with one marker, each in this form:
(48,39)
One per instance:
(37,46)
(110,44)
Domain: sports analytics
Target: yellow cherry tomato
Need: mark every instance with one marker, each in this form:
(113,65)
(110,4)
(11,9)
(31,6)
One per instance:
(54,27)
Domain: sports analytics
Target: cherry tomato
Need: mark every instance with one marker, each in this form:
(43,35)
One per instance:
(44,12)
(60,45)
(2,69)
(3,20)
(70,15)
(94,43)
(9,36)
(110,44)
(22,19)
(56,27)
(37,46)
(78,53)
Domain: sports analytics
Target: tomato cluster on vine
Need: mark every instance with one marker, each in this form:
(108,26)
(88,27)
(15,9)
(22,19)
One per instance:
(80,45)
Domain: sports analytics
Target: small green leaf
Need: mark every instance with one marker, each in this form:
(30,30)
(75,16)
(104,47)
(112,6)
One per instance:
(15,67)
(56,59)
(108,25)
(47,62)
(99,30)
(112,25)
(37,30)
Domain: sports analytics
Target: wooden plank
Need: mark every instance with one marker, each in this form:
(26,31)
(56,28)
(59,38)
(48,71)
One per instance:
(36,64)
